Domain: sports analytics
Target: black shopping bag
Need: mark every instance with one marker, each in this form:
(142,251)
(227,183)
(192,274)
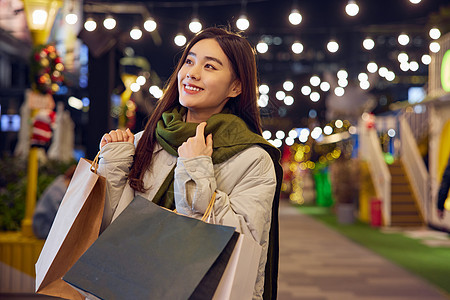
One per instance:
(149,252)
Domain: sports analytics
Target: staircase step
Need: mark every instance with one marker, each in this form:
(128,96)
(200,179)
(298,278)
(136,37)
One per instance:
(406,219)
(400,179)
(406,224)
(407,207)
(402,198)
(400,189)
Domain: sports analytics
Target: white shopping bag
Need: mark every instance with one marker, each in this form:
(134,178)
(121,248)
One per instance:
(238,280)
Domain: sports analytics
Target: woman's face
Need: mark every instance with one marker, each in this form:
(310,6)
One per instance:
(206,81)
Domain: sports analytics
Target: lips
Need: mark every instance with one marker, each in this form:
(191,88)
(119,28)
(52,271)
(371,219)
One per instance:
(192,89)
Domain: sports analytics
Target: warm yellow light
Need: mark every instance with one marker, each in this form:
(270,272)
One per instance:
(39,17)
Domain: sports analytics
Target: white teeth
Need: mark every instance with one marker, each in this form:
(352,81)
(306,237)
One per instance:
(191,88)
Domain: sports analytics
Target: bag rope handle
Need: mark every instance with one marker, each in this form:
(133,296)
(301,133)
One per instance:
(209,209)
(94,165)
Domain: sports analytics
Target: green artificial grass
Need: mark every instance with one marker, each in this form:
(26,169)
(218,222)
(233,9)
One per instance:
(430,263)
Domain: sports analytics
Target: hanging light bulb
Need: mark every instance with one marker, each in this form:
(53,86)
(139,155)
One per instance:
(342,74)
(242,23)
(90,24)
(352,8)
(136,33)
(195,25)
(297,47)
(262,47)
(180,39)
(332,46)
(288,85)
(403,39)
(150,24)
(402,57)
(295,17)
(109,22)
(426,59)
(368,44)
(435,47)
(372,67)
(435,33)
(71,18)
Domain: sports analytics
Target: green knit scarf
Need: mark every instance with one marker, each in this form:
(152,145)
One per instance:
(230,136)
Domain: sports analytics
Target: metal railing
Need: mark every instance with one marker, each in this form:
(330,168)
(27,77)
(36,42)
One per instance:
(414,166)
(370,151)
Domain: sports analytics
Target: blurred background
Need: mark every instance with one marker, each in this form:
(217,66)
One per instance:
(356,95)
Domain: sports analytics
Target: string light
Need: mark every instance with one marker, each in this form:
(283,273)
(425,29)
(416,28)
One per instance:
(262,47)
(414,66)
(403,39)
(325,86)
(332,46)
(339,91)
(135,33)
(435,33)
(426,59)
(297,47)
(352,8)
(90,25)
(314,80)
(195,25)
(109,22)
(264,89)
(150,24)
(288,100)
(71,18)
(295,17)
(372,67)
(390,76)
(280,95)
(435,47)
(363,77)
(306,90)
(314,96)
(368,44)
(342,74)
(288,85)
(242,23)
(402,57)
(180,39)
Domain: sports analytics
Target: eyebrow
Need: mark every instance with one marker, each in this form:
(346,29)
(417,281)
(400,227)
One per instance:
(207,58)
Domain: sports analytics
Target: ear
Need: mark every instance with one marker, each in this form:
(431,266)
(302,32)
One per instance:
(235,89)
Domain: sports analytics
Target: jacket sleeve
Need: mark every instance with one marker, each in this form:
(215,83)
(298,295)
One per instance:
(114,164)
(248,204)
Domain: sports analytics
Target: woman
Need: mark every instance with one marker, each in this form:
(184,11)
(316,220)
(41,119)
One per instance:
(212,92)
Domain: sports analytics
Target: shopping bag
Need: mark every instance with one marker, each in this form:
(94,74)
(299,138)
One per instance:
(149,252)
(75,227)
(239,278)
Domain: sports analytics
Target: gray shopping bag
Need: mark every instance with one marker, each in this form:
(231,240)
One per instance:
(149,252)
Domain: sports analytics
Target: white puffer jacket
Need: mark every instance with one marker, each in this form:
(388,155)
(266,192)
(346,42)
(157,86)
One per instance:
(244,185)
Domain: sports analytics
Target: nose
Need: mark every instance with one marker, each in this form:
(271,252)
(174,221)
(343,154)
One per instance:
(193,73)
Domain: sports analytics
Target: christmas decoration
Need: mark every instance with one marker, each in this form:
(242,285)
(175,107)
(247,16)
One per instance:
(46,69)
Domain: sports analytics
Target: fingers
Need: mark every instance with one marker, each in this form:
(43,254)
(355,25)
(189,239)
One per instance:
(117,135)
(200,131)
(130,136)
(209,141)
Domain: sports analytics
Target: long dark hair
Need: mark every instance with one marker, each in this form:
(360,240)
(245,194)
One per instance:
(242,59)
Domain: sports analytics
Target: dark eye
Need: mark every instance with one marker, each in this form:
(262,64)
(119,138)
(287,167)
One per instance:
(209,66)
(188,61)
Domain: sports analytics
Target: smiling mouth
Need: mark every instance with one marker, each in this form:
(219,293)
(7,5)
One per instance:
(192,88)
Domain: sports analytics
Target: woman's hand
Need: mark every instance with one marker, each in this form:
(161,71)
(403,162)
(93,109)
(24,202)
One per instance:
(197,145)
(118,135)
